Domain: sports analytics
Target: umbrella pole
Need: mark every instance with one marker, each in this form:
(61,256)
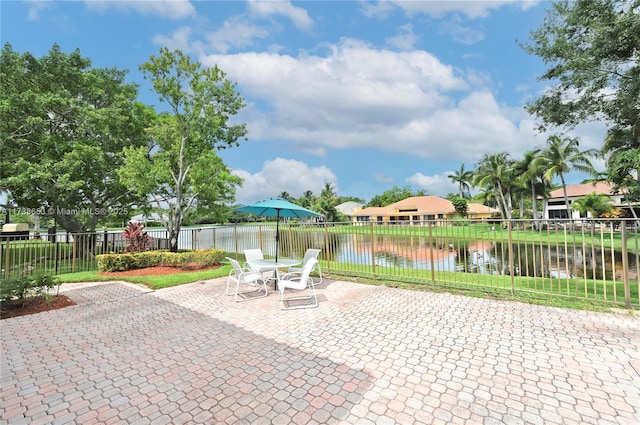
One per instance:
(277,234)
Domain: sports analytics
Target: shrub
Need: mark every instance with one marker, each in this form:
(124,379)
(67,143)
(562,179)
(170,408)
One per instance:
(184,260)
(21,289)
(147,259)
(114,262)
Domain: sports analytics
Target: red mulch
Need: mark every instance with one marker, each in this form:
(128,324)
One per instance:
(155,271)
(9,310)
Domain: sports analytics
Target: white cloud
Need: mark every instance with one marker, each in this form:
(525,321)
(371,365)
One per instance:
(439,185)
(297,15)
(180,39)
(360,97)
(460,32)
(351,89)
(236,32)
(405,40)
(282,175)
(171,9)
(36,7)
(382,178)
(379,10)
(471,9)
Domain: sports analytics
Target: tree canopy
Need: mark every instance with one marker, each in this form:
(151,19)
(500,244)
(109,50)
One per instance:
(179,168)
(393,195)
(592,54)
(63,128)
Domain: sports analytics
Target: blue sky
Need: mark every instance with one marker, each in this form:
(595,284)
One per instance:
(362,95)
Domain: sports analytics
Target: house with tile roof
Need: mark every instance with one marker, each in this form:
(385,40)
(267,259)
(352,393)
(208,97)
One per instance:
(417,209)
(555,207)
(347,208)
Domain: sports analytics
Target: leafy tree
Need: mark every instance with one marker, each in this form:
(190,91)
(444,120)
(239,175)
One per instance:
(462,179)
(63,126)
(561,156)
(623,164)
(343,199)
(593,55)
(179,168)
(393,195)
(460,204)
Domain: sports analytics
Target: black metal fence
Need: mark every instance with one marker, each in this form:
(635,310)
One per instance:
(591,259)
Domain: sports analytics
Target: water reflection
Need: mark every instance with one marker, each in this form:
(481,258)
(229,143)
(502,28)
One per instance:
(421,252)
(483,257)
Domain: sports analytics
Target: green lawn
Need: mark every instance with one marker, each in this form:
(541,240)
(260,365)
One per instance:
(154,282)
(501,290)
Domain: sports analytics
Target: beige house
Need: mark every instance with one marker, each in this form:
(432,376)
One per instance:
(420,208)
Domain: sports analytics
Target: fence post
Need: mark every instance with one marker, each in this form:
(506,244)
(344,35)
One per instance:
(373,249)
(511,262)
(235,238)
(75,252)
(431,259)
(328,254)
(105,242)
(55,253)
(6,260)
(625,266)
(194,236)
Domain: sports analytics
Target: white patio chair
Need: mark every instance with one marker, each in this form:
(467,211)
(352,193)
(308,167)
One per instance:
(309,254)
(297,282)
(245,277)
(250,256)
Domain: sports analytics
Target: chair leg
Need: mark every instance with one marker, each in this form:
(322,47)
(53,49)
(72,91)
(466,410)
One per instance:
(238,295)
(226,292)
(284,300)
(319,282)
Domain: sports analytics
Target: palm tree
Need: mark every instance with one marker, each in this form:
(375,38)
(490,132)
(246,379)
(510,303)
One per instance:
(561,156)
(530,176)
(462,179)
(326,203)
(285,195)
(492,172)
(593,203)
(328,192)
(307,199)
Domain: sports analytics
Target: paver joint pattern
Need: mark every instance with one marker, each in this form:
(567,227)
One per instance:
(366,355)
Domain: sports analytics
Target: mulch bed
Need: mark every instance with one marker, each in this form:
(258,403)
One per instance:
(9,309)
(156,271)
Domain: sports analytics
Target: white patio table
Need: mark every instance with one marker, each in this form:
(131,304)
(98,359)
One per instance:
(267,264)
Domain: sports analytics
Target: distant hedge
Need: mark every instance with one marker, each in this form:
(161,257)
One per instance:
(188,260)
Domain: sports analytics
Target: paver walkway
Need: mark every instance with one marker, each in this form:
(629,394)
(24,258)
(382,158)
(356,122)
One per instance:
(366,355)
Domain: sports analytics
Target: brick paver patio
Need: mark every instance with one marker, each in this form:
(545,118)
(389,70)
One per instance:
(366,355)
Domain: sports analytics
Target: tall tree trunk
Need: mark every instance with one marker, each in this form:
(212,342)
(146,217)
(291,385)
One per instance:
(503,202)
(534,205)
(566,197)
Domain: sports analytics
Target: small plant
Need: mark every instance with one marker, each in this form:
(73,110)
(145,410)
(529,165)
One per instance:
(22,289)
(137,238)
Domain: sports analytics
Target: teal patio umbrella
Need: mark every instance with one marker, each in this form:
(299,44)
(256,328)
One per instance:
(278,207)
